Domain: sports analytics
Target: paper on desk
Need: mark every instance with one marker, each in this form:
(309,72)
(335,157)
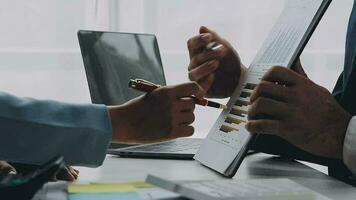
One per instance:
(104,196)
(144,190)
(101,188)
(156,193)
(52,191)
(136,184)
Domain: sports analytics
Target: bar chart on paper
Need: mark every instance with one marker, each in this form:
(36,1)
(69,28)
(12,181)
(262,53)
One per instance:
(228,140)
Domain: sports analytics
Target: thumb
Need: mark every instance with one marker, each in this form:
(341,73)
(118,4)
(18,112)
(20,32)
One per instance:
(204,29)
(299,68)
(188,89)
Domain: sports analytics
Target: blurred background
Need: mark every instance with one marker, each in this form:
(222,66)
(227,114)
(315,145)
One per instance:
(40,56)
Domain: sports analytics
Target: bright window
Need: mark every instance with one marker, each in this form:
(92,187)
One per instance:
(40,57)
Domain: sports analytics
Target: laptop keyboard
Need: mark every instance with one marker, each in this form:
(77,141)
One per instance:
(282,188)
(170,146)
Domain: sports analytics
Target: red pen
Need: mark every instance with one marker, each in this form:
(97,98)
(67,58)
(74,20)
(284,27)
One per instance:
(146,86)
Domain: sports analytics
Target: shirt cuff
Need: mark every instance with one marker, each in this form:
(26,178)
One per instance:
(349,151)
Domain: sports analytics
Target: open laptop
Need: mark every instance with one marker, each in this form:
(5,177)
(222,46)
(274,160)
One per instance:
(111,59)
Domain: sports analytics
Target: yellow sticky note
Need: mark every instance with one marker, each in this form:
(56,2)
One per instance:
(140,184)
(101,188)
(136,184)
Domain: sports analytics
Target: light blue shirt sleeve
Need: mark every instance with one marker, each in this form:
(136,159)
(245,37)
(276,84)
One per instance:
(33,131)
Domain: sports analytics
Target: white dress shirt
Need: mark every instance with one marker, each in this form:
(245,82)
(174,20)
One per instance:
(349,152)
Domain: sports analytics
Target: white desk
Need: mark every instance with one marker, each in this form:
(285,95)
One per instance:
(255,166)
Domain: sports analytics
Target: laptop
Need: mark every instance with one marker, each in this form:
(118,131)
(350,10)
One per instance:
(111,59)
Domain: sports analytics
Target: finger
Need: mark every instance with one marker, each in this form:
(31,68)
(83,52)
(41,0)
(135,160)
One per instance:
(6,168)
(204,29)
(281,75)
(74,172)
(182,131)
(269,90)
(269,127)
(187,90)
(207,56)
(198,43)
(207,82)
(266,108)
(65,175)
(203,70)
(186,104)
(185,118)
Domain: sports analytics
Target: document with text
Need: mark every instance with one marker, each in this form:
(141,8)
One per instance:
(230,189)
(228,141)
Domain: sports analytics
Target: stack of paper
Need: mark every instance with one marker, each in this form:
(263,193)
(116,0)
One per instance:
(228,189)
(113,191)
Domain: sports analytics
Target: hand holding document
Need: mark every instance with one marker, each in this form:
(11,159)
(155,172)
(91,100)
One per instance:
(228,139)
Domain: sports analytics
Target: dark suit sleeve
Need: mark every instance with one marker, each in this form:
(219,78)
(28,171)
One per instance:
(338,89)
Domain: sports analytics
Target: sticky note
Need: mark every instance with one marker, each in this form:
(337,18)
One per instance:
(136,184)
(104,196)
(101,188)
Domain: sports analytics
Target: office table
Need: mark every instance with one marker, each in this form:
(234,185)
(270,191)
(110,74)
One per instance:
(254,166)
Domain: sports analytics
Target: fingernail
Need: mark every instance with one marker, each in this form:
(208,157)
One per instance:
(211,45)
(217,47)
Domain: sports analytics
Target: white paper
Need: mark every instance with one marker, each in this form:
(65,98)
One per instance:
(249,189)
(228,135)
(226,189)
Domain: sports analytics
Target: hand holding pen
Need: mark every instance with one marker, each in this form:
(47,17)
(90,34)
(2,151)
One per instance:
(165,113)
(146,86)
(214,63)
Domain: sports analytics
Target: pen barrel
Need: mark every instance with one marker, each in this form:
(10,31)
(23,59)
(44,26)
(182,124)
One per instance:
(202,102)
(144,87)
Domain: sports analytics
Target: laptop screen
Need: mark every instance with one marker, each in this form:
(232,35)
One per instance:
(111,59)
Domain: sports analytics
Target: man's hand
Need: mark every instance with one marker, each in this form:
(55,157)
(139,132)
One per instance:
(217,71)
(289,105)
(68,174)
(166,113)
(6,168)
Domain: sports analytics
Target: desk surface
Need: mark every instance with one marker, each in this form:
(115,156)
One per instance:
(254,166)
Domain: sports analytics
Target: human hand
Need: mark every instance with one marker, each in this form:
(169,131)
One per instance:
(165,113)
(6,168)
(68,174)
(216,71)
(298,110)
